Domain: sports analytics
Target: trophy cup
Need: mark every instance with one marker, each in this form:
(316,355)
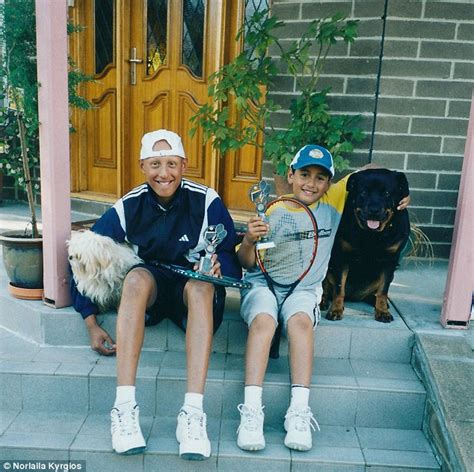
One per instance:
(213,235)
(259,194)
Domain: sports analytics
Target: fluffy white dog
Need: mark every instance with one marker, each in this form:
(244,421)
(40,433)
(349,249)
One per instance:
(99,266)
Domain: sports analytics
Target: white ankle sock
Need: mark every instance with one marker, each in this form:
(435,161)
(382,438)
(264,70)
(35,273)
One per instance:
(253,395)
(194,400)
(125,394)
(299,395)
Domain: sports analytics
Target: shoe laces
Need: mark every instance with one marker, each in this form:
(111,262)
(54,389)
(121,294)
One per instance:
(195,425)
(127,421)
(251,418)
(302,418)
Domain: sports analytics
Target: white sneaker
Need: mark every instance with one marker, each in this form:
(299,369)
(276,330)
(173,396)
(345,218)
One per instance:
(250,432)
(299,421)
(127,437)
(194,445)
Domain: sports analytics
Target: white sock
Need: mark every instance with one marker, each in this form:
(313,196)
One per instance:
(299,395)
(125,394)
(194,400)
(253,395)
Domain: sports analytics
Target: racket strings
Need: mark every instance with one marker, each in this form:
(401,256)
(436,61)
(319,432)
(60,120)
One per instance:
(293,233)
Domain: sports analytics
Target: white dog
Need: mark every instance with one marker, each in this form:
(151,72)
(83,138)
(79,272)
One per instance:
(99,266)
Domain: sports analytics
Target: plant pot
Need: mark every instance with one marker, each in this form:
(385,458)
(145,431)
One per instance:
(23,260)
(282,187)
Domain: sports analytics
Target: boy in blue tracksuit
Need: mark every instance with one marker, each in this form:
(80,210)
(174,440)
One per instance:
(163,220)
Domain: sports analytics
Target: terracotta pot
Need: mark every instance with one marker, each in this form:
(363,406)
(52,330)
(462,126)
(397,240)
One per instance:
(282,187)
(23,259)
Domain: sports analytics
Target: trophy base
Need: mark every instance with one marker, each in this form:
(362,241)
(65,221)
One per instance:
(205,265)
(265,245)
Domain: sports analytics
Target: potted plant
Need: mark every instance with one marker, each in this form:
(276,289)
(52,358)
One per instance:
(245,83)
(19,150)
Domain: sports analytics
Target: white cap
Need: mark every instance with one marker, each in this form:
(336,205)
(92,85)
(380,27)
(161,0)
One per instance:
(149,140)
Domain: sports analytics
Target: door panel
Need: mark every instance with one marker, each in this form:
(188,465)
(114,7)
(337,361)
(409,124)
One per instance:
(180,71)
(151,60)
(100,146)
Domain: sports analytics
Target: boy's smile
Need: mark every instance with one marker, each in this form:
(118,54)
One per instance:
(309,183)
(164,175)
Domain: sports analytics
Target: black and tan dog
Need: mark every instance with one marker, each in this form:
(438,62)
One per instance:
(370,238)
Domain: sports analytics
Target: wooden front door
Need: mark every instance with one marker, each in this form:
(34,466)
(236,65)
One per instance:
(151,60)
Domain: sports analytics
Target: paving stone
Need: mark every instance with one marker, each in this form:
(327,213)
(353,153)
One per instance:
(109,461)
(6,418)
(46,422)
(331,456)
(273,457)
(408,459)
(392,439)
(378,409)
(54,393)
(28,367)
(44,440)
(10,386)
(162,454)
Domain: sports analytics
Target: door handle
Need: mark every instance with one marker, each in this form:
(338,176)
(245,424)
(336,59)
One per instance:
(134,60)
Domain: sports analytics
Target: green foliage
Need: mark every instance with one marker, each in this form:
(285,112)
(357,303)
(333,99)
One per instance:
(19,92)
(248,79)
(242,83)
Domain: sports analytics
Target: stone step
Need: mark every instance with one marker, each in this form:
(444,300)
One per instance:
(33,435)
(345,392)
(357,336)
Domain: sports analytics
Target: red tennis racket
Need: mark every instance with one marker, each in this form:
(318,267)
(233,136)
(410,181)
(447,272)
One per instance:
(294,231)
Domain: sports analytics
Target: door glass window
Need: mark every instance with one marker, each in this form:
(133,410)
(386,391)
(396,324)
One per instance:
(157,33)
(104,34)
(193,35)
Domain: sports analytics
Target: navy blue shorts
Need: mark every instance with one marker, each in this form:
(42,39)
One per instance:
(169,299)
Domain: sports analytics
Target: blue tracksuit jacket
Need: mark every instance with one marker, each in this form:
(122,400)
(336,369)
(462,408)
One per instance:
(172,234)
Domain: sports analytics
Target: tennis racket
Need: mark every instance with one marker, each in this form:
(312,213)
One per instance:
(191,274)
(294,231)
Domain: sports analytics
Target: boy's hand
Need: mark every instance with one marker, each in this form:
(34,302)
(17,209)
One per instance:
(404,202)
(100,340)
(215,269)
(256,228)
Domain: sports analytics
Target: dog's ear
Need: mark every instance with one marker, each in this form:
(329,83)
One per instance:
(352,182)
(402,182)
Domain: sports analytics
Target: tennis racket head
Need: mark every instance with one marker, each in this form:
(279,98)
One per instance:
(294,231)
(224,281)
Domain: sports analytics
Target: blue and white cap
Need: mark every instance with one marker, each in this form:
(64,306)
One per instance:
(313,155)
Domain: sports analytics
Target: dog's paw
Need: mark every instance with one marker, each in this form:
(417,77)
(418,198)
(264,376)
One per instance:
(335,314)
(324,304)
(383,316)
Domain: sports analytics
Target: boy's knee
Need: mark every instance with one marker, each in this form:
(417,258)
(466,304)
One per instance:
(300,322)
(138,282)
(196,291)
(263,323)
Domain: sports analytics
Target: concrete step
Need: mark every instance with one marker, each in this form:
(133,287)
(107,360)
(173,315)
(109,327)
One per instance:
(357,336)
(345,392)
(37,435)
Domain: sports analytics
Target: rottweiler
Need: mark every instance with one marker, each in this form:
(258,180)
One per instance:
(368,243)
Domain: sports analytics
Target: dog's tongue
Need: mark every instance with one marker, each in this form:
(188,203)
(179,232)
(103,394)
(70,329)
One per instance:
(373,224)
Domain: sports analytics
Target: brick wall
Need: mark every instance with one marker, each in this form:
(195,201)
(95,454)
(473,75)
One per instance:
(426,82)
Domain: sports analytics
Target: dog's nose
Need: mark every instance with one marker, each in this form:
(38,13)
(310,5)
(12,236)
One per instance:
(70,258)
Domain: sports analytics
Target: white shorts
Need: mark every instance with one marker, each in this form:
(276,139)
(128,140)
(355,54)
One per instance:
(260,299)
